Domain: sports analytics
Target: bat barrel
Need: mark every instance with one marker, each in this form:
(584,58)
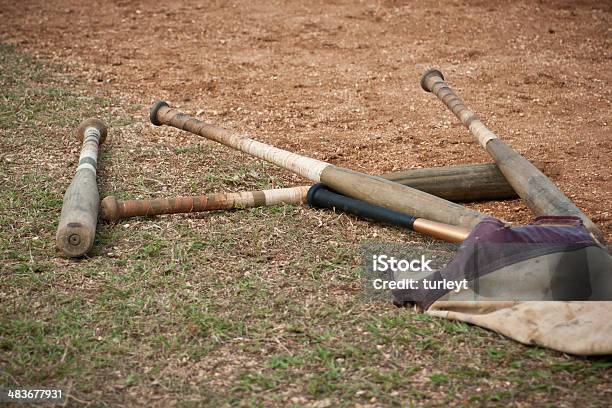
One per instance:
(539,193)
(77,225)
(373,190)
(461,183)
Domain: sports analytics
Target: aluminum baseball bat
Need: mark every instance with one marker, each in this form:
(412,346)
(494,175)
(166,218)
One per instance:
(319,196)
(371,189)
(77,225)
(540,194)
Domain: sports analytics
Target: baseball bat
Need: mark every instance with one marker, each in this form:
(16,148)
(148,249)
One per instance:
(454,183)
(114,210)
(77,225)
(371,189)
(319,196)
(461,183)
(540,194)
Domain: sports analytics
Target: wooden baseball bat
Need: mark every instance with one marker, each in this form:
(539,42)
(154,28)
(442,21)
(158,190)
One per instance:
(371,189)
(540,194)
(454,183)
(77,225)
(114,210)
(461,183)
(317,196)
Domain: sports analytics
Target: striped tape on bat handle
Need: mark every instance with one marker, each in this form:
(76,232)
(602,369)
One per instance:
(433,81)
(371,189)
(114,210)
(537,190)
(77,225)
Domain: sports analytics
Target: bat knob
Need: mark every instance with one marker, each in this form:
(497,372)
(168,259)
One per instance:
(431,72)
(312,192)
(74,239)
(110,209)
(95,123)
(153,112)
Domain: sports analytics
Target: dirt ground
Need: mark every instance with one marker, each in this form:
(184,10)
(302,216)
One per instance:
(338,81)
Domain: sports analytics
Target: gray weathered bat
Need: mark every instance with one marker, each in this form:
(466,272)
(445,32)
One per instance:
(77,226)
(540,194)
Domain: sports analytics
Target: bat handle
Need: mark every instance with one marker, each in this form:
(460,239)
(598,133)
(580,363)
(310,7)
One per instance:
(154,112)
(77,225)
(319,196)
(113,210)
(433,81)
(162,114)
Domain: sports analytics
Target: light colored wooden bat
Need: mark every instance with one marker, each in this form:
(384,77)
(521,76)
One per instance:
(540,194)
(371,189)
(77,225)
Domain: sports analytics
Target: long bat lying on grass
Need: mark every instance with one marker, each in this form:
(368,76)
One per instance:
(114,210)
(540,194)
(371,189)
(77,225)
(454,183)
(317,196)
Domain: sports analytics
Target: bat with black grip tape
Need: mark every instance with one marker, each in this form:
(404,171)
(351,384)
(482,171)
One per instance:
(371,189)
(319,196)
(539,193)
(77,225)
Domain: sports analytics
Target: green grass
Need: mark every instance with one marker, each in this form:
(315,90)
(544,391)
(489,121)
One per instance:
(259,307)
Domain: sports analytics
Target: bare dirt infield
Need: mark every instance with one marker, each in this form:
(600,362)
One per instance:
(335,81)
